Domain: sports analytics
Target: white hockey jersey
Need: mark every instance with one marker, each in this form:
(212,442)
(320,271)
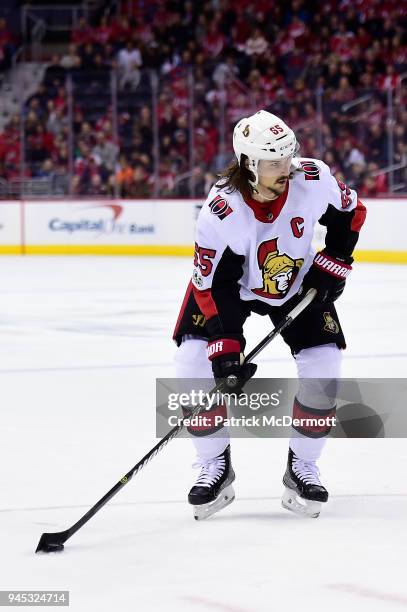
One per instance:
(266,248)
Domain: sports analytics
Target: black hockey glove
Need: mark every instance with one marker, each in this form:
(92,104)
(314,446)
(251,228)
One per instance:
(327,275)
(224,353)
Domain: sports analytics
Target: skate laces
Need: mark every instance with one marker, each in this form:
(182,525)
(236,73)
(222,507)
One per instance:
(307,471)
(211,470)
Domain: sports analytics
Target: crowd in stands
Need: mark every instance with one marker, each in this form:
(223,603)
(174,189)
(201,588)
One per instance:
(8,43)
(330,69)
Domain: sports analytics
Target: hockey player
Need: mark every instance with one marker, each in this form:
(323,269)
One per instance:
(253,253)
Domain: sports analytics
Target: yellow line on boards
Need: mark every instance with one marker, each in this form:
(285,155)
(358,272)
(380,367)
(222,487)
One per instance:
(392,257)
(109,249)
(368,256)
(11,249)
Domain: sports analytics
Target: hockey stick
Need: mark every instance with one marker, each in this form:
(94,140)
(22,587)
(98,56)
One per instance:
(53,542)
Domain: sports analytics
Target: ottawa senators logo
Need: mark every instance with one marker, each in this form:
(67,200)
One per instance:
(220,207)
(311,171)
(330,324)
(279,270)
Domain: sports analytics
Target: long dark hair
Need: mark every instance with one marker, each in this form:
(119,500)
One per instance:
(236,177)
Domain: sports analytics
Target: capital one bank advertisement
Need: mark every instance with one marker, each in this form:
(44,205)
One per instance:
(50,226)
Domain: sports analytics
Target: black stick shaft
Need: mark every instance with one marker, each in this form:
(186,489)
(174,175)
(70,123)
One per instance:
(123,481)
(63,536)
(282,325)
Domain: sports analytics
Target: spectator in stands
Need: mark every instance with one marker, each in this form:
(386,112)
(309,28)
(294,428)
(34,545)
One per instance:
(144,125)
(376,144)
(139,187)
(69,60)
(87,55)
(122,31)
(225,71)
(83,33)
(109,55)
(256,45)
(61,180)
(129,62)
(105,152)
(99,78)
(86,168)
(367,189)
(55,73)
(60,100)
(103,33)
(380,179)
(57,122)
(7,46)
(39,147)
(85,138)
(214,41)
(330,159)
(124,176)
(165,179)
(96,187)
(61,153)
(36,109)
(46,170)
(76,188)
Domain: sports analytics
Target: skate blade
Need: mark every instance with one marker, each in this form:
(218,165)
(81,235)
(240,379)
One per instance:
(303,507)
(204,511)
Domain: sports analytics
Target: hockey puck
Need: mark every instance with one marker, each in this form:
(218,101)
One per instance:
(47,548)
(55,547)
(48,543)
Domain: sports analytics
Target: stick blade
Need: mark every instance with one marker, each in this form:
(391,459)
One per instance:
(52,542)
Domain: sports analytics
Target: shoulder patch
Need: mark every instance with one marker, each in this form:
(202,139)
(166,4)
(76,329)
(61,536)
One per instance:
(219,207)
(311,170)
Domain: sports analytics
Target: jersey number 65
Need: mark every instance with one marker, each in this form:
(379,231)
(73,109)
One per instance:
(202,259)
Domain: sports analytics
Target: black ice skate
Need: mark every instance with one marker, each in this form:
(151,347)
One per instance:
(213,489)
(304,491)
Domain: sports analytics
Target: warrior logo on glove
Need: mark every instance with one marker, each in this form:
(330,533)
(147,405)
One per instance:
(279,270)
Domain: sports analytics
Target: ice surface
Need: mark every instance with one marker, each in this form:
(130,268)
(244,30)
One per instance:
(81,343)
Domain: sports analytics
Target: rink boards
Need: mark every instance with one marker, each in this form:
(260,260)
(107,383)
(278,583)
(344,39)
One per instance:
(160,227)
